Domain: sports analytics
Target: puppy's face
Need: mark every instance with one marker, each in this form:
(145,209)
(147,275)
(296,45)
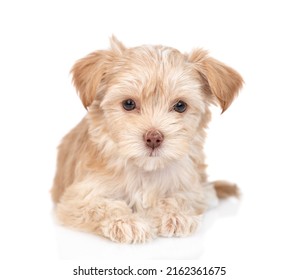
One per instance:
(153,106)
(151,102)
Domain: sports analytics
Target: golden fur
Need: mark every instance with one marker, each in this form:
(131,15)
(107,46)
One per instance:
(108,181)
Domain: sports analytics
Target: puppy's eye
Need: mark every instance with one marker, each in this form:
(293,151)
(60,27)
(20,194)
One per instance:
(180,106)
(129,105)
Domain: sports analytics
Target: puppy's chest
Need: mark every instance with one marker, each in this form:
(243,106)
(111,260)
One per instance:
(147,188)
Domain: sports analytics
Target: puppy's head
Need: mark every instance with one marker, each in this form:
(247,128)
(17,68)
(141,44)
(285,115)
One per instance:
(150,104)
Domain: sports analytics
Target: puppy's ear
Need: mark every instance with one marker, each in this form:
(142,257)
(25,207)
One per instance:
(116,45)
(220,80)
(89,72)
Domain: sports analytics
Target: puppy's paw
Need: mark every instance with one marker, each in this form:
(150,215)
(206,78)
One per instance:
(129,230)
(174,224)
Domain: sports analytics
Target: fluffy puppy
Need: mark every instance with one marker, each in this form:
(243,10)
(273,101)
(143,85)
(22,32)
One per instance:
(134,167)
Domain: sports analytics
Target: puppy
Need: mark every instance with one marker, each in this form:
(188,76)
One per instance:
(134,167)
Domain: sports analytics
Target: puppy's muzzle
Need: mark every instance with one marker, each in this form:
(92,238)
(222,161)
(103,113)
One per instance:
(153,138)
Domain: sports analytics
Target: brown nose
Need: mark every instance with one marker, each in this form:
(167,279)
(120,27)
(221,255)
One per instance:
(153,138)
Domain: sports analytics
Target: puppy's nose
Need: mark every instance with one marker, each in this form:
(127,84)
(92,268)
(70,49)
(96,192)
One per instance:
(153,138)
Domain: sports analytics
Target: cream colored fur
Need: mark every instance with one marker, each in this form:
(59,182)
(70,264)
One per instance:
(108,180)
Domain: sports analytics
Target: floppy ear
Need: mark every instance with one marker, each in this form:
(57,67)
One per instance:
(89,72)
(220,80)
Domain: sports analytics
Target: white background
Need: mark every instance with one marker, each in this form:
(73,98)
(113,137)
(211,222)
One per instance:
(254,143)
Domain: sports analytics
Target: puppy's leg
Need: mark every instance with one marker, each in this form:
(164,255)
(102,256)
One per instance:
(84,208)
(173,216)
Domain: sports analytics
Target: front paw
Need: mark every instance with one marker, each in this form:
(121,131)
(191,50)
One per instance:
(129,230)
(174,224)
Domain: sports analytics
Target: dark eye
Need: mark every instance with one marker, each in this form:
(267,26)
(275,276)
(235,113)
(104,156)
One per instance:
(180,106)
(129,104)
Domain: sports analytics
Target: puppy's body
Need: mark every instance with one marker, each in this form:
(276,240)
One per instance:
(134,167)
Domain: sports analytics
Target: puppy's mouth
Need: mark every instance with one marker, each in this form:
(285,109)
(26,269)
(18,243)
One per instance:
(154,152)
